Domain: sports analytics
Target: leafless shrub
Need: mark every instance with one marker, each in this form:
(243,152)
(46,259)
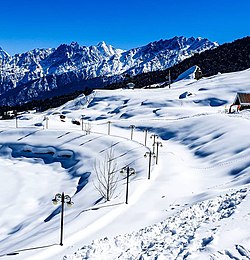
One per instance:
(106,175)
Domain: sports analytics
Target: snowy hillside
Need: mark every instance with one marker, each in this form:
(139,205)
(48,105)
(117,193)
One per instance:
(28,75)
(194,206)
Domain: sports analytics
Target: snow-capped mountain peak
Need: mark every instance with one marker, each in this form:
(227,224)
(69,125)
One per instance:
(3,54)
(102,44)
(107,50)
(86,62)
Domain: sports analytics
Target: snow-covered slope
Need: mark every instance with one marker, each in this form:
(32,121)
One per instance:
(195,205)
(28,75)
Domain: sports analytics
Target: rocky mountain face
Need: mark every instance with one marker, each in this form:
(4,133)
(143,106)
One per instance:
(43,73)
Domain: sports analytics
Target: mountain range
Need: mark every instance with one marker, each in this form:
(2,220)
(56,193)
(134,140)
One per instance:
(43,73)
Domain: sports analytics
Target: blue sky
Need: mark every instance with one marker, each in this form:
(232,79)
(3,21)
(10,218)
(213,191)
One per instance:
(30,24)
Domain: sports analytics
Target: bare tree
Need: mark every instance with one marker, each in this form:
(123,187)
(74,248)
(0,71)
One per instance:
(107,175)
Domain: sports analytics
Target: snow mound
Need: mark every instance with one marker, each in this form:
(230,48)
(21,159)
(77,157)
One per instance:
(75,104)
(185,95)
(176,237)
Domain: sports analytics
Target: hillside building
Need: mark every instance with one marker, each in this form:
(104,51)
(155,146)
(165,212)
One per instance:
(242,101)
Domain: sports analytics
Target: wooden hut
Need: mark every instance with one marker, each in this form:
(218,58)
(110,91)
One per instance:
(242,101)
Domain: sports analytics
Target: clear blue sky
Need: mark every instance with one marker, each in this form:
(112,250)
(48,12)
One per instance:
(29,24)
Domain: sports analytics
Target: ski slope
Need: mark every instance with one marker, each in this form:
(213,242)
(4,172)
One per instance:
(195,205)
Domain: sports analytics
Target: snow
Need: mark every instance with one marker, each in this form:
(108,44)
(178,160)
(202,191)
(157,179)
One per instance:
(195,205)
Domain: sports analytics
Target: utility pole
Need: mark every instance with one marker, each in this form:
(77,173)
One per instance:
(157,152)
(154,136)
(62,214)
(63,199)
(169,79)
(16,122)
(132,131)
(109,122)
(149,155)
(82,121)
(46,118)
(146,136)
(129,171)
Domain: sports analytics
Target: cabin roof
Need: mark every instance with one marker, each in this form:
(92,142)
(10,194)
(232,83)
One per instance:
(242,99)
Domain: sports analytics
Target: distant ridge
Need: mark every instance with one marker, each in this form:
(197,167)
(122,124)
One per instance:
(44,73)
